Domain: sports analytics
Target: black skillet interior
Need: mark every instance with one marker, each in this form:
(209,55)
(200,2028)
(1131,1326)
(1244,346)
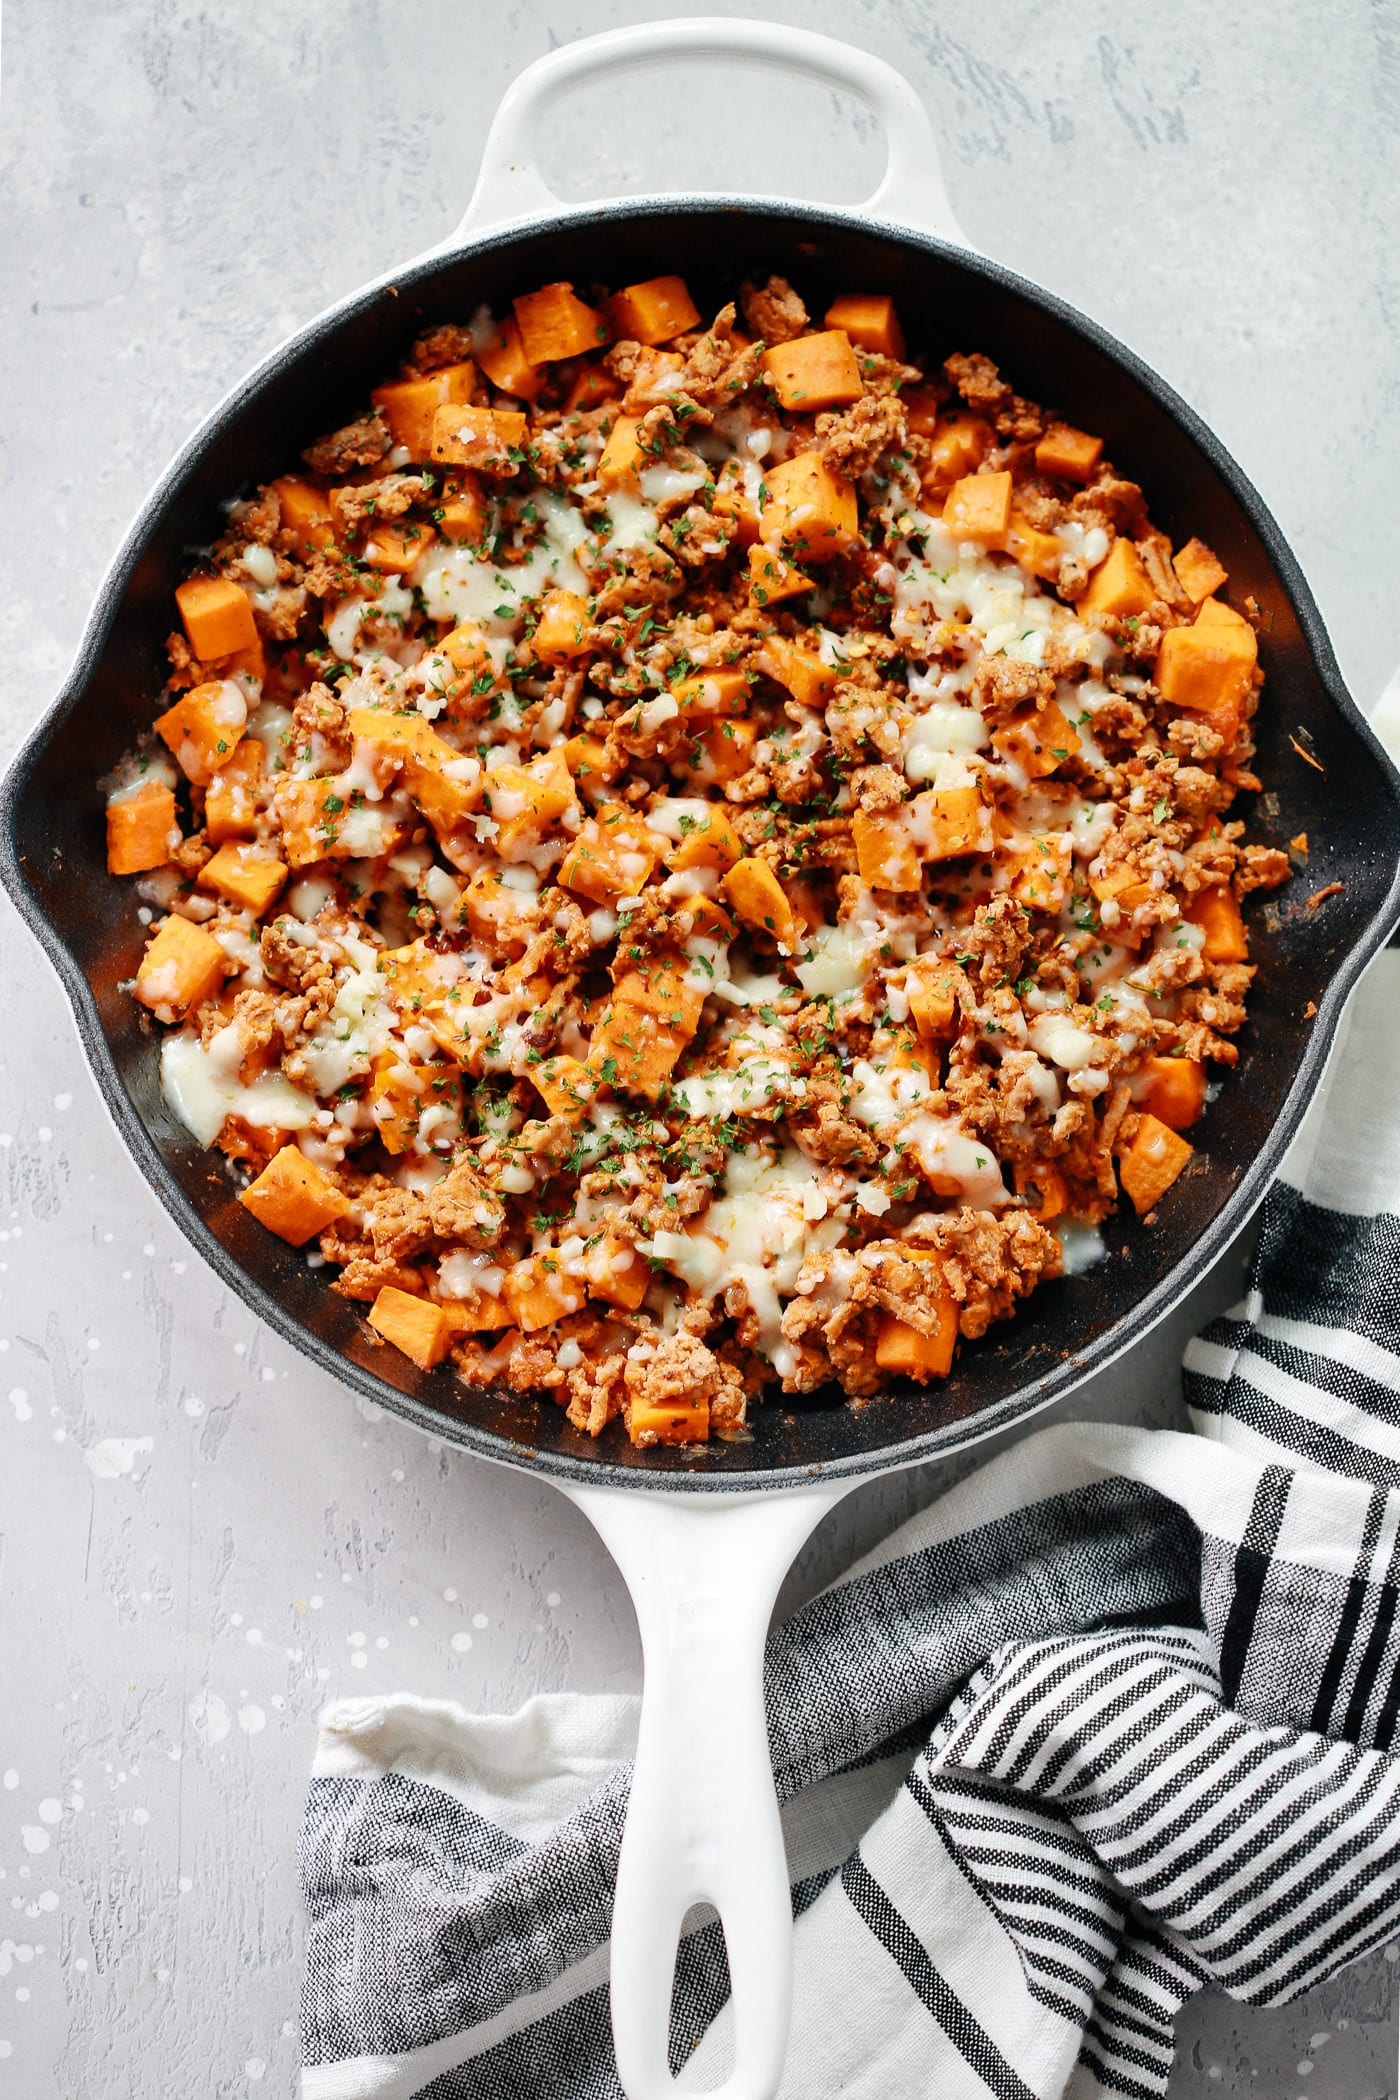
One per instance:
(53,832)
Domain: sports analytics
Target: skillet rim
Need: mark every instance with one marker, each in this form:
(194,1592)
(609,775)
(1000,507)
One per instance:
(673,1475)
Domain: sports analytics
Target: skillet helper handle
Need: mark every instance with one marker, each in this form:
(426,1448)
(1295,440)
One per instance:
(702,1826)
(911,191)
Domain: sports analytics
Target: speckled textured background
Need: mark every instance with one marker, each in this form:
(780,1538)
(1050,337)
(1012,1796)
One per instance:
(201,1538)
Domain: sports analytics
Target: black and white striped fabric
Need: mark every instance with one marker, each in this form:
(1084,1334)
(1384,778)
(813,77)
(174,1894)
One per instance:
(1113,1720)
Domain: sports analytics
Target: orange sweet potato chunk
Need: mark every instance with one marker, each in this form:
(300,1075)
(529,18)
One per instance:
(1071,454)
(217,617)
(246,873)
(613,855)
(181,968)
(555,323)
(869,319)
(484,438)
(1209,668)
(141,830)
(393,547)
(1199,572)
(760,900)
(1152,1163)
(1038,741)
(507,367)
(945,822)
(616,1272)
(653,312)
(978,508)
(771,579)
(1120,585)
(1218,915)
(561,631)
(711,842)
(231,798)
(811,509)
(931,990)
(203,727)
(814,372)
(622,458)
(885,851)
(461,515)
(422,1330)
(408,406)
(294,1199)
(957,445)
(537,1293)
(909,1353)
(651,1422)
(1176,1091)
(306,514)
(810,681)
(711,694)
(565,1085)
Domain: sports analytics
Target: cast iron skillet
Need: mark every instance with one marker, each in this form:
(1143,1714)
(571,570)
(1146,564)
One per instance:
(1344,794)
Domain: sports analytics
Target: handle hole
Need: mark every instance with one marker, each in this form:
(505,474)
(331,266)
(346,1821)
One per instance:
(699,1988)
(710,125)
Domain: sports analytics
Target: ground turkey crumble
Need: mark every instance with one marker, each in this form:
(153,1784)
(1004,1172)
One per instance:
(681,860)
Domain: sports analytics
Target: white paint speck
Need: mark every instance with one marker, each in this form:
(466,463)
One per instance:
(552,1599)
(93,1342)
(194,1406)
(209,1717)
(62,1101)
(10,1780)
(449,1596)
(22,1994)
(140,1815)
(48,1900)
(355,1640)
(254,1637)
(116,1457)
(316,1603)
(461,1642)
(479,1619)
(268,1374)
(255,2068)
(44,1134)
(178,1268)
(50,1810)
(19,1401)
(359,1660)
(33,1838)
(252,1720)
(381,1640)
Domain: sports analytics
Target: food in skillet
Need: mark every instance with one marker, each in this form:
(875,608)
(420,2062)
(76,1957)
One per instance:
(692,860)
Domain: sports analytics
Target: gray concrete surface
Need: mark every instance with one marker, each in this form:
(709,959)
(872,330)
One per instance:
(202,1539)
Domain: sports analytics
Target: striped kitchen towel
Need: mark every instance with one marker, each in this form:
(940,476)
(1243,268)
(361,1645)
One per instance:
(1113,1720)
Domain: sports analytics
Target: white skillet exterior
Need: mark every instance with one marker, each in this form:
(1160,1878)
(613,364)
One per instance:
(704,1570)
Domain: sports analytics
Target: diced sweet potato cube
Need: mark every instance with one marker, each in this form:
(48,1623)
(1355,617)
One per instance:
(652,1422)
(613,855)
(814,372)
(710,694)
(202,729)
(293,1198)
(729,501)
(760,901)
(409,405)
(1042,1183)
(393,546)
(537,1293)
(634,1052)
(507,367)
(475,1315)
(248,874)
(484,438)
(945,822)
(910,1053)
(1071,454)
(318,823)
(1120,585)
(622,458)
(667,989)
(593,386)
(1176,1090)
(587,760)
(810,681)
(653,312)
(491,912)
(869,319)
(1038,551)
(931,990)
(1216,613)
(446,801)
(1209,668)
(1218,916)
(921,411)
(306,514)
(565,1085)
(885,851)
(141,829)
(217,616)
(909,1353)
(419,1328)
(181,968)
(1038,741)
(1123,885)
(957,444)
(1198,571)
(771,579)
(709,921)
(1152,1163)
(461,514)
(711,842)
(1040,872)
(231,798)
(811,509)
(400,1093)
(978,508)
(724,752)
(526,800)
(561,631)
(616,1272)
(555,322)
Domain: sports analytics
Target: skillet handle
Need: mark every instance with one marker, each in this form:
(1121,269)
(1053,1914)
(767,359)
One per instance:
(704,1571)
(911,190)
